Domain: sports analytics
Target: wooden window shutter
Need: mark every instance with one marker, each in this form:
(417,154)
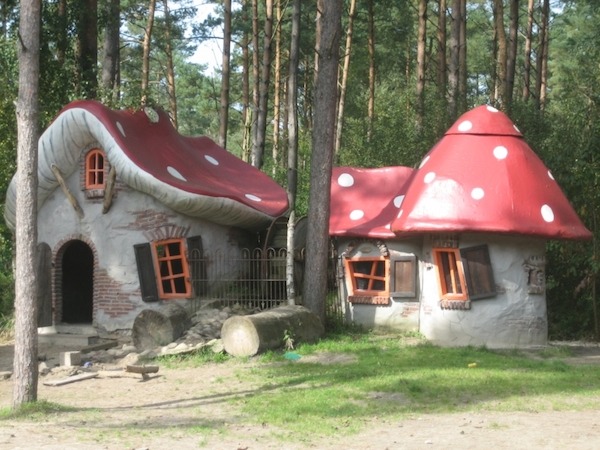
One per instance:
(145,266)
(197,265)
(478,272)
(403,274)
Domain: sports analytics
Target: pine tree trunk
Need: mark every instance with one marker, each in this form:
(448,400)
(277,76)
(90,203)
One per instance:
(344,77)
(110,64)
(277,89)
(225,74)
(25,358)
(87,49)
(170,68)
(292,160)
(453,65)
(246,111)
(527,61)
(251,124)
(542,80)
(500,81)
(511,61)
(323,141)
(258,146)
(462,59)
(146,51)
(421,43)
(371,47)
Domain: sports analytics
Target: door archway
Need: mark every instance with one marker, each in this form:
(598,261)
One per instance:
(77,283)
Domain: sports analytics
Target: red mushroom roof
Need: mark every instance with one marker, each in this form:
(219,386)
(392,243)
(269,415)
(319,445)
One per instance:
(192,175)
(482,176)
(364,202)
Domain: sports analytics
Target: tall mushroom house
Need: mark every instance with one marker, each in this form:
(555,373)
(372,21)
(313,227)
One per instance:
(466,265)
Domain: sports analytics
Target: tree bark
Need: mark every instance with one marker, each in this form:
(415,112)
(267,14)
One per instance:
(421,42)
(441,38)
(453,66)
(527,62)
(462,59)
(146,51)
(344,77)
(258,146)
(251,124)
(153,328)
(267,330)
(110,64)
(27,109)
(225,74)
(371,47)
(277,89)
(292,159)
(500,81)
(87,49)
(170,67)
(511,57)
(323,141)
(246,110)
(542,61)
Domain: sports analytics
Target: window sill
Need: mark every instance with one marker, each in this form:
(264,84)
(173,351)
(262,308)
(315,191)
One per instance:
(455,304)
(369,300)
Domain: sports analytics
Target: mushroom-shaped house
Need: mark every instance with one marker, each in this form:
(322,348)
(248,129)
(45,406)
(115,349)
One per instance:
(462,260)
(127,207)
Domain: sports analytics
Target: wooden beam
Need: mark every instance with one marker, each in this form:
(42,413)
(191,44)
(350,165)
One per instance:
(74,378)
(72,200)
(109,190)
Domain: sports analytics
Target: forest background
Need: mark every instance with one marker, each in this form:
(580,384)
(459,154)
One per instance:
(407,70)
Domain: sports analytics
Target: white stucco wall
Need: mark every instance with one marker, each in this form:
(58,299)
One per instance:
(514,318)
(114,234)
(402,313)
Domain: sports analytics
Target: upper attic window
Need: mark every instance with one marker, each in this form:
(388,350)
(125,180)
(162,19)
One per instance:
(95,169)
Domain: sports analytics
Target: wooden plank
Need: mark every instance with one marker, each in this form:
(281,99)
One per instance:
(63,185)
(73,379)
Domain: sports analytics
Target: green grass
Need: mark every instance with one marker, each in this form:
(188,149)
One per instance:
(389,379)
(33,411)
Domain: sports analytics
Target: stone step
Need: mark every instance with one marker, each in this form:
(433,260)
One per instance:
(76,335)
(67,339)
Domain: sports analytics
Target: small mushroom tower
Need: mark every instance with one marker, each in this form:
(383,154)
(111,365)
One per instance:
(483,177)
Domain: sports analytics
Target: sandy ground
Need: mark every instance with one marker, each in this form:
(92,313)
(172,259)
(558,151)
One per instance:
(189,409)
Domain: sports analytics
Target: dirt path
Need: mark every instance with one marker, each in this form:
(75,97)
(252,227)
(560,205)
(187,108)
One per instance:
(183,408)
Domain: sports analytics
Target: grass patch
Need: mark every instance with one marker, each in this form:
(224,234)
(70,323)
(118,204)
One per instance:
(33,410)
(388,379)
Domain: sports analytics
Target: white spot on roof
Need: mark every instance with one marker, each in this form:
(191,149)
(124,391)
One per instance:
(465,126)
(547,213)
(429,177)
(398,201)
(357,214)
(388,226)
(345,180)
(516,129)
(500,152)
(254,198)
(477,193)
(175,173)
(399,214)
(490,108)
(424,161)
(211,160)
(120,127)
(550,175)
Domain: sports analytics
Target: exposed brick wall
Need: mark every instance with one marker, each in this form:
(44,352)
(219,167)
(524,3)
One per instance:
(107,294)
